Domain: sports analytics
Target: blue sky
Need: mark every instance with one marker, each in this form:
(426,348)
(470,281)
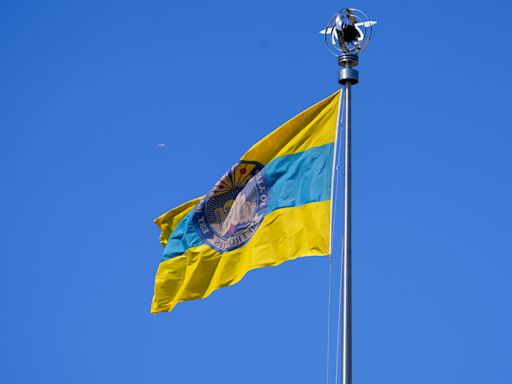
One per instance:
(89,89)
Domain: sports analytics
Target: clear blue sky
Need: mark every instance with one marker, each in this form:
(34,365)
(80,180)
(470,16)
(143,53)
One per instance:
(89,89)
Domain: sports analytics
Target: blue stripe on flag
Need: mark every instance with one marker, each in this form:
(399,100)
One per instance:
(300,178)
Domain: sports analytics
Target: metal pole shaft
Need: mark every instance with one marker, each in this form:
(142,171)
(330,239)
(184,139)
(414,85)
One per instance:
(346,363)
(348,76)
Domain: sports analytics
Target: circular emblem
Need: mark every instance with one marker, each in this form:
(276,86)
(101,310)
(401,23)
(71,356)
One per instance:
(233,210)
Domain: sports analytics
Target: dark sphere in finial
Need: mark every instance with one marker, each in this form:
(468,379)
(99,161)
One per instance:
(348,33)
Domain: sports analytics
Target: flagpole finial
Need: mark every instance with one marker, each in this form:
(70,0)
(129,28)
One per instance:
(348,32)
(346,35)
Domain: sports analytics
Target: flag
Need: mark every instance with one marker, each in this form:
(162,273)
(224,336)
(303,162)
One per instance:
(273,205)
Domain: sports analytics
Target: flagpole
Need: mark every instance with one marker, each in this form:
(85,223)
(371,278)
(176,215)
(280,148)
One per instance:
(348,76)
(347,34)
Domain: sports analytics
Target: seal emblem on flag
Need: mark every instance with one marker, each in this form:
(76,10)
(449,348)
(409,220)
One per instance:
(234,209)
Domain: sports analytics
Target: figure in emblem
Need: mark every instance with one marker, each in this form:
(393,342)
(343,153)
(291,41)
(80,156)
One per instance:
(240,213)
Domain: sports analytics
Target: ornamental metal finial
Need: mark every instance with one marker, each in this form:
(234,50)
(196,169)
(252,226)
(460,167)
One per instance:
(348,32)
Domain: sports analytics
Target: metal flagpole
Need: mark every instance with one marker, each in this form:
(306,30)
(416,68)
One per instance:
(348,77)
(347,34)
